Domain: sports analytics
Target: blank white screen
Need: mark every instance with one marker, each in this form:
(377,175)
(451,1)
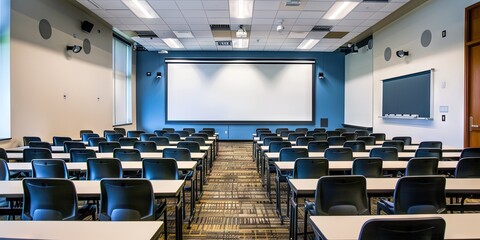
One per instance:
(240,92)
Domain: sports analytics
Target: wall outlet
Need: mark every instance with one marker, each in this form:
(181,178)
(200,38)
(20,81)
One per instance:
(443,118)
(226,132)
(444,33)
(64,96)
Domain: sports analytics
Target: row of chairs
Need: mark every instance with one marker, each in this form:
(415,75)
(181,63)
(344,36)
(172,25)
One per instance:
(285,132)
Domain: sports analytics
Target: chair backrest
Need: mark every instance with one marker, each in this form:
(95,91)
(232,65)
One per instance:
(86,136)
(320,130)
(356,146)
(303,141)
(182,133)
(339,154)
(209,129)
(336,140)
(429,152)
(368,167)
(159,169)
(145,146)
(3,154)
(4,171)
(262,130)
(127,141)
(106,132)
(262,136)
(172,136)
(98,168)
(85,131)
(49,168)
(406,139)
(126,200)
(378,136)
(341,130)
(310,133)
(36,153)
(317,146)
(285,133)
(430,144)
(279,130)
(403,228)
(160,141)
(362,133)
(210,133)
(134,133)
(146,136)
(81,154)
(310,168)
(369,140)
(276,146)
(114,137)
(159,133)
(169,130)
(36,144)
(349,136)
(203,135)
(318,136)
(94,141)
(49,199)
(127,154)
(28,139)
(295,135)
(422,166)
(121,131)
(190,145)
(59,141)
(68,145)
(470,152)
(399,145)
(291,154)
(189,130)
(385,153)
(179,154)
(199,140)
(104,147)
(468,167)
(341,195)
(301,130)
(420,194)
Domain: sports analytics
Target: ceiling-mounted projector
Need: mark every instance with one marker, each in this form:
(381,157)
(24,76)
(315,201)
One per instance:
(241,33)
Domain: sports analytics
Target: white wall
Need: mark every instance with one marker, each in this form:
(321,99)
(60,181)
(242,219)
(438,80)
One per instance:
(42,72)
(359,88)
(445,55)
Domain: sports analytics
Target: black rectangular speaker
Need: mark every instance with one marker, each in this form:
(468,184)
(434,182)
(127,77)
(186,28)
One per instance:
(324,122)
(87,26)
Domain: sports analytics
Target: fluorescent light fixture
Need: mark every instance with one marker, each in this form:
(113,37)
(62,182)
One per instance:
(308,43)
(173,42)
(141,8)
(240,43)
(241,8)
(340,10)
(183,34)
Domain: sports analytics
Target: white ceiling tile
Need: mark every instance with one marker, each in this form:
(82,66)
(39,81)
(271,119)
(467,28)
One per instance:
(111,4)
(259,34)
(224,48)
(196,21)
(131,21)
(215,5)
(392,7)
(175,21)
(169,13)
(315,6)
(267,5)
(113,20)
(163,5)
(194,14)
(328,22)
(369,6)
(264,14)
(288,14)
(203,27)
(217,14)
(311,14)
(121,27)
(158,27)
(179,27)
(360,29)
(306,21)
(316,35)
(121,13)
(138,27)
(256,48)
(263,21)
(259,27)
(209,48)
(189,4)
(343,28)
(301,28)
(293,40)
(202,34)
(351,23)
(368,23)
(103,13)
(379,15)
(218,20)
(203,40)
(156,21)
(359,15)
(279,36)
(238,21)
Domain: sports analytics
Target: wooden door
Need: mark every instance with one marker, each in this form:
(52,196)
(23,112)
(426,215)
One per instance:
(472,76)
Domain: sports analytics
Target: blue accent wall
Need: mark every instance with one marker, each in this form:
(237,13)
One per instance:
(151,92)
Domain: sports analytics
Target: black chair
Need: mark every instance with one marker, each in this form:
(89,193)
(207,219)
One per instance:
(104,147)
(378,136)
(310,133)
(114,137)
(179,154)
(260,130)
(429,152)
(99,168)
(159,169)
(127,154)
(49,168)
(303,141)
(4,171)
(147,146)
(268,140)
(336,140)
(422,166)
(126,200)
(134,133)
(339,154)
(107,132)
(86,136)
(68,145)
(168,130)
(146,136)
(159,133)
(416,195)
(36,153)
(28,139)
(59,141)
(470,152)
(399,145)
(368,167)
(285,133)
(341,130)
(94,141)
(81,154)
(301,130)
(199,140)
(160,141)
(404,228)
(430,144)
(36,144)
(362,133)
(276,146)
(49,199)
(369,140)
(385,153)
(121,131)
(320,130)
(310,168)
(405,139)
(85,131)
(127,141)
(182,133)
(262,136)
(3,154)
(317,146)
(189,130)
(338,195)
(320,136)
(190,145)
(468,167)
(350,136)
(356,146)
(172,136)
(279,130)
(210,133)
(294,136)
(202,135)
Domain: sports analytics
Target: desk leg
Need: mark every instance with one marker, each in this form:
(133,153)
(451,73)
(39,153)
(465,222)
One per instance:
(253,150)
(293,216)
(178,217)
(269,194)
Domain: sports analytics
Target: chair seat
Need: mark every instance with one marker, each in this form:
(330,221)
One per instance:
(310,207)
(125,215)
(47,214)
(185,175)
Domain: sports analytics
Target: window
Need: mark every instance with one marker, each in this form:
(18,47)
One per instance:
(122,70)
(5,131)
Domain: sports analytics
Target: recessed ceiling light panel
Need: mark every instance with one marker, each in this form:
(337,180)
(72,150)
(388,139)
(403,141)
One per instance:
(339,10)
(141,8)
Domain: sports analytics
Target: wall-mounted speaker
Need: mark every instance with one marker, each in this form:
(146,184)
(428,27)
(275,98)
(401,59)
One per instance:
(87,26)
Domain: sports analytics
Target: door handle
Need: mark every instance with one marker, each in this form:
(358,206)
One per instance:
(472,125)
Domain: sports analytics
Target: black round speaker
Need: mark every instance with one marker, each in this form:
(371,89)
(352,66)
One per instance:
(387,54)
(86,46)
(45,29)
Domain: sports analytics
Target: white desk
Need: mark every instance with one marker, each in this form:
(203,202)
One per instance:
(80,230)
(273,156)
(458,226)
(407,148)
(82,166)
(59,149)
(195,155)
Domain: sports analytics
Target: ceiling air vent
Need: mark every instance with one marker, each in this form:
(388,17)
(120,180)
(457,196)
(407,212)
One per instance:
(335,35)
(292,3)
(146,34)
(321,28)
(220,27)
(223,43)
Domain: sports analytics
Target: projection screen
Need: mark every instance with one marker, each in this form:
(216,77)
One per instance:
(240,91)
